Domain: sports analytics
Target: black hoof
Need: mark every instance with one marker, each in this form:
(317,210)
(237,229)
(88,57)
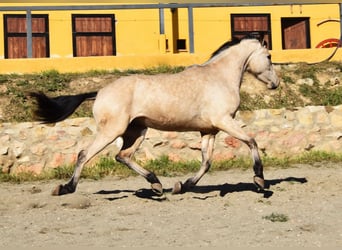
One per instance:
(259,182)
(177,188)
(180,188)
(157,188)
(62,190)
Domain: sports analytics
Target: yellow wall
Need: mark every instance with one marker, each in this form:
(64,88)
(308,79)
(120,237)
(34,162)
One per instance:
(139,44)
(215,23)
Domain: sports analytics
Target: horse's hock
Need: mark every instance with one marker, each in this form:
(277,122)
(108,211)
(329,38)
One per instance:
(279,132)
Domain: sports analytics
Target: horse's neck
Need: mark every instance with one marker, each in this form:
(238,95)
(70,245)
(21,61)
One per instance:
(232,65)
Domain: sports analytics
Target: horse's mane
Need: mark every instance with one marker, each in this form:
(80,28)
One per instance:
(225,46)
(234,41)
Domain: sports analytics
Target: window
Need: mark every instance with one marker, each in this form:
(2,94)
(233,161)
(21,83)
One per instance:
(93,35)
(243,24)
(181,44)
(295,33)
(15,34)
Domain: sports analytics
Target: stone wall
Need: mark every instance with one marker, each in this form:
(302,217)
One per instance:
(279,132)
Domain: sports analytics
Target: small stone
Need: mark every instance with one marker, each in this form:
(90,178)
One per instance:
(232,142)
(305,118)
(65,144)
(4,150)
(195,146)
(336,118)
(86,131)
(306,81)
(178,144)
(39,149)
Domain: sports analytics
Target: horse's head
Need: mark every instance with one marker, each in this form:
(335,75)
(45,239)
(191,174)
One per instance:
(260,65)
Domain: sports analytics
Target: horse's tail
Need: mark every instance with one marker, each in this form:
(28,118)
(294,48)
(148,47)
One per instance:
(50,110)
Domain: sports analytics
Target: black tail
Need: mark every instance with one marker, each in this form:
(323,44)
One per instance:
(50,110)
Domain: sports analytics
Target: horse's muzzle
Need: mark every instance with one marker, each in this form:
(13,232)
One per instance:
(274,84)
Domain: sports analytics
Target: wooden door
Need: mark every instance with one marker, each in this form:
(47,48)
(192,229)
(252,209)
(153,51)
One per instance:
(93,35)
(16,36)
(295,32)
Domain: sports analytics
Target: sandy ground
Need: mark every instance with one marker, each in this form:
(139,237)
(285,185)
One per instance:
(224,210)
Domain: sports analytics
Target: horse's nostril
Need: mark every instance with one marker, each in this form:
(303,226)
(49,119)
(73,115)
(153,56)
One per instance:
(273,85)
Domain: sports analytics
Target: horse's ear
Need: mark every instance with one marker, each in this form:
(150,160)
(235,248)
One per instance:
(262,39)
(264,43)
(260,36)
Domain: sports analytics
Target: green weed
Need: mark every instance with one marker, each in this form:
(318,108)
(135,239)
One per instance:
(163,166)
(276,217)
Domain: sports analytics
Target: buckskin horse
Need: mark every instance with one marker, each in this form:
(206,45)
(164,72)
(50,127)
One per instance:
(201,98)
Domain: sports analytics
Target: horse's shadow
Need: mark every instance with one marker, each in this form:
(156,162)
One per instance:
(243,187)
(223,189)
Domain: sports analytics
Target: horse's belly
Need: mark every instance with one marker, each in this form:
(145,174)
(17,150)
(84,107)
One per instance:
(168,124)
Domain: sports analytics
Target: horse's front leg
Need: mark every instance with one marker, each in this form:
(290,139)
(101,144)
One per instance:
(207,148)
(228,125)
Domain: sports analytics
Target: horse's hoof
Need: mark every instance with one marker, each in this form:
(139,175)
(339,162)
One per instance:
(177,188)
(63,189)
(57,190)
(157,188)
(259,182)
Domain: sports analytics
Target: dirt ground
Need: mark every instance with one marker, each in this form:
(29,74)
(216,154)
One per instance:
(224,210)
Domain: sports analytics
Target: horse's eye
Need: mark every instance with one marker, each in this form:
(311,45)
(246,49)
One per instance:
(269,57)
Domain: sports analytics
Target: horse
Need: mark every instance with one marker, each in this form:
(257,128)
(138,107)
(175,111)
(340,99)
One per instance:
(203,98)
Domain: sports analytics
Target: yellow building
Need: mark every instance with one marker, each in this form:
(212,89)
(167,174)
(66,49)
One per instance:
(85,36)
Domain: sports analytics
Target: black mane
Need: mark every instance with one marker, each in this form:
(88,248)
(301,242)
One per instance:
(235,41)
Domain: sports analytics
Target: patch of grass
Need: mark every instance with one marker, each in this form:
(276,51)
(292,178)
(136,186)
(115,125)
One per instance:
(243,163)
(322,95)
(161,69)
(276,217)
(163,166)
(285,97)
(317,156)
(23,177)
(249,103)
(288,79)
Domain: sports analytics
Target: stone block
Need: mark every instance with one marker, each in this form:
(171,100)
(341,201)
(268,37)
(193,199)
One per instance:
(336,118)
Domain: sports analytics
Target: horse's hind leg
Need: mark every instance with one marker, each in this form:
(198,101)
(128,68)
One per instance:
(132,139)
(103,138)
(207,148)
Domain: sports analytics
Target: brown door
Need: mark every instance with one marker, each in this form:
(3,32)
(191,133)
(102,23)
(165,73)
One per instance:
(295,32)
(93,35)
(16,36)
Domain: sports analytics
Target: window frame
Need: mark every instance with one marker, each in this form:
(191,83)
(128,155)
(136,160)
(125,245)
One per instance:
(268,32)
(76,34)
